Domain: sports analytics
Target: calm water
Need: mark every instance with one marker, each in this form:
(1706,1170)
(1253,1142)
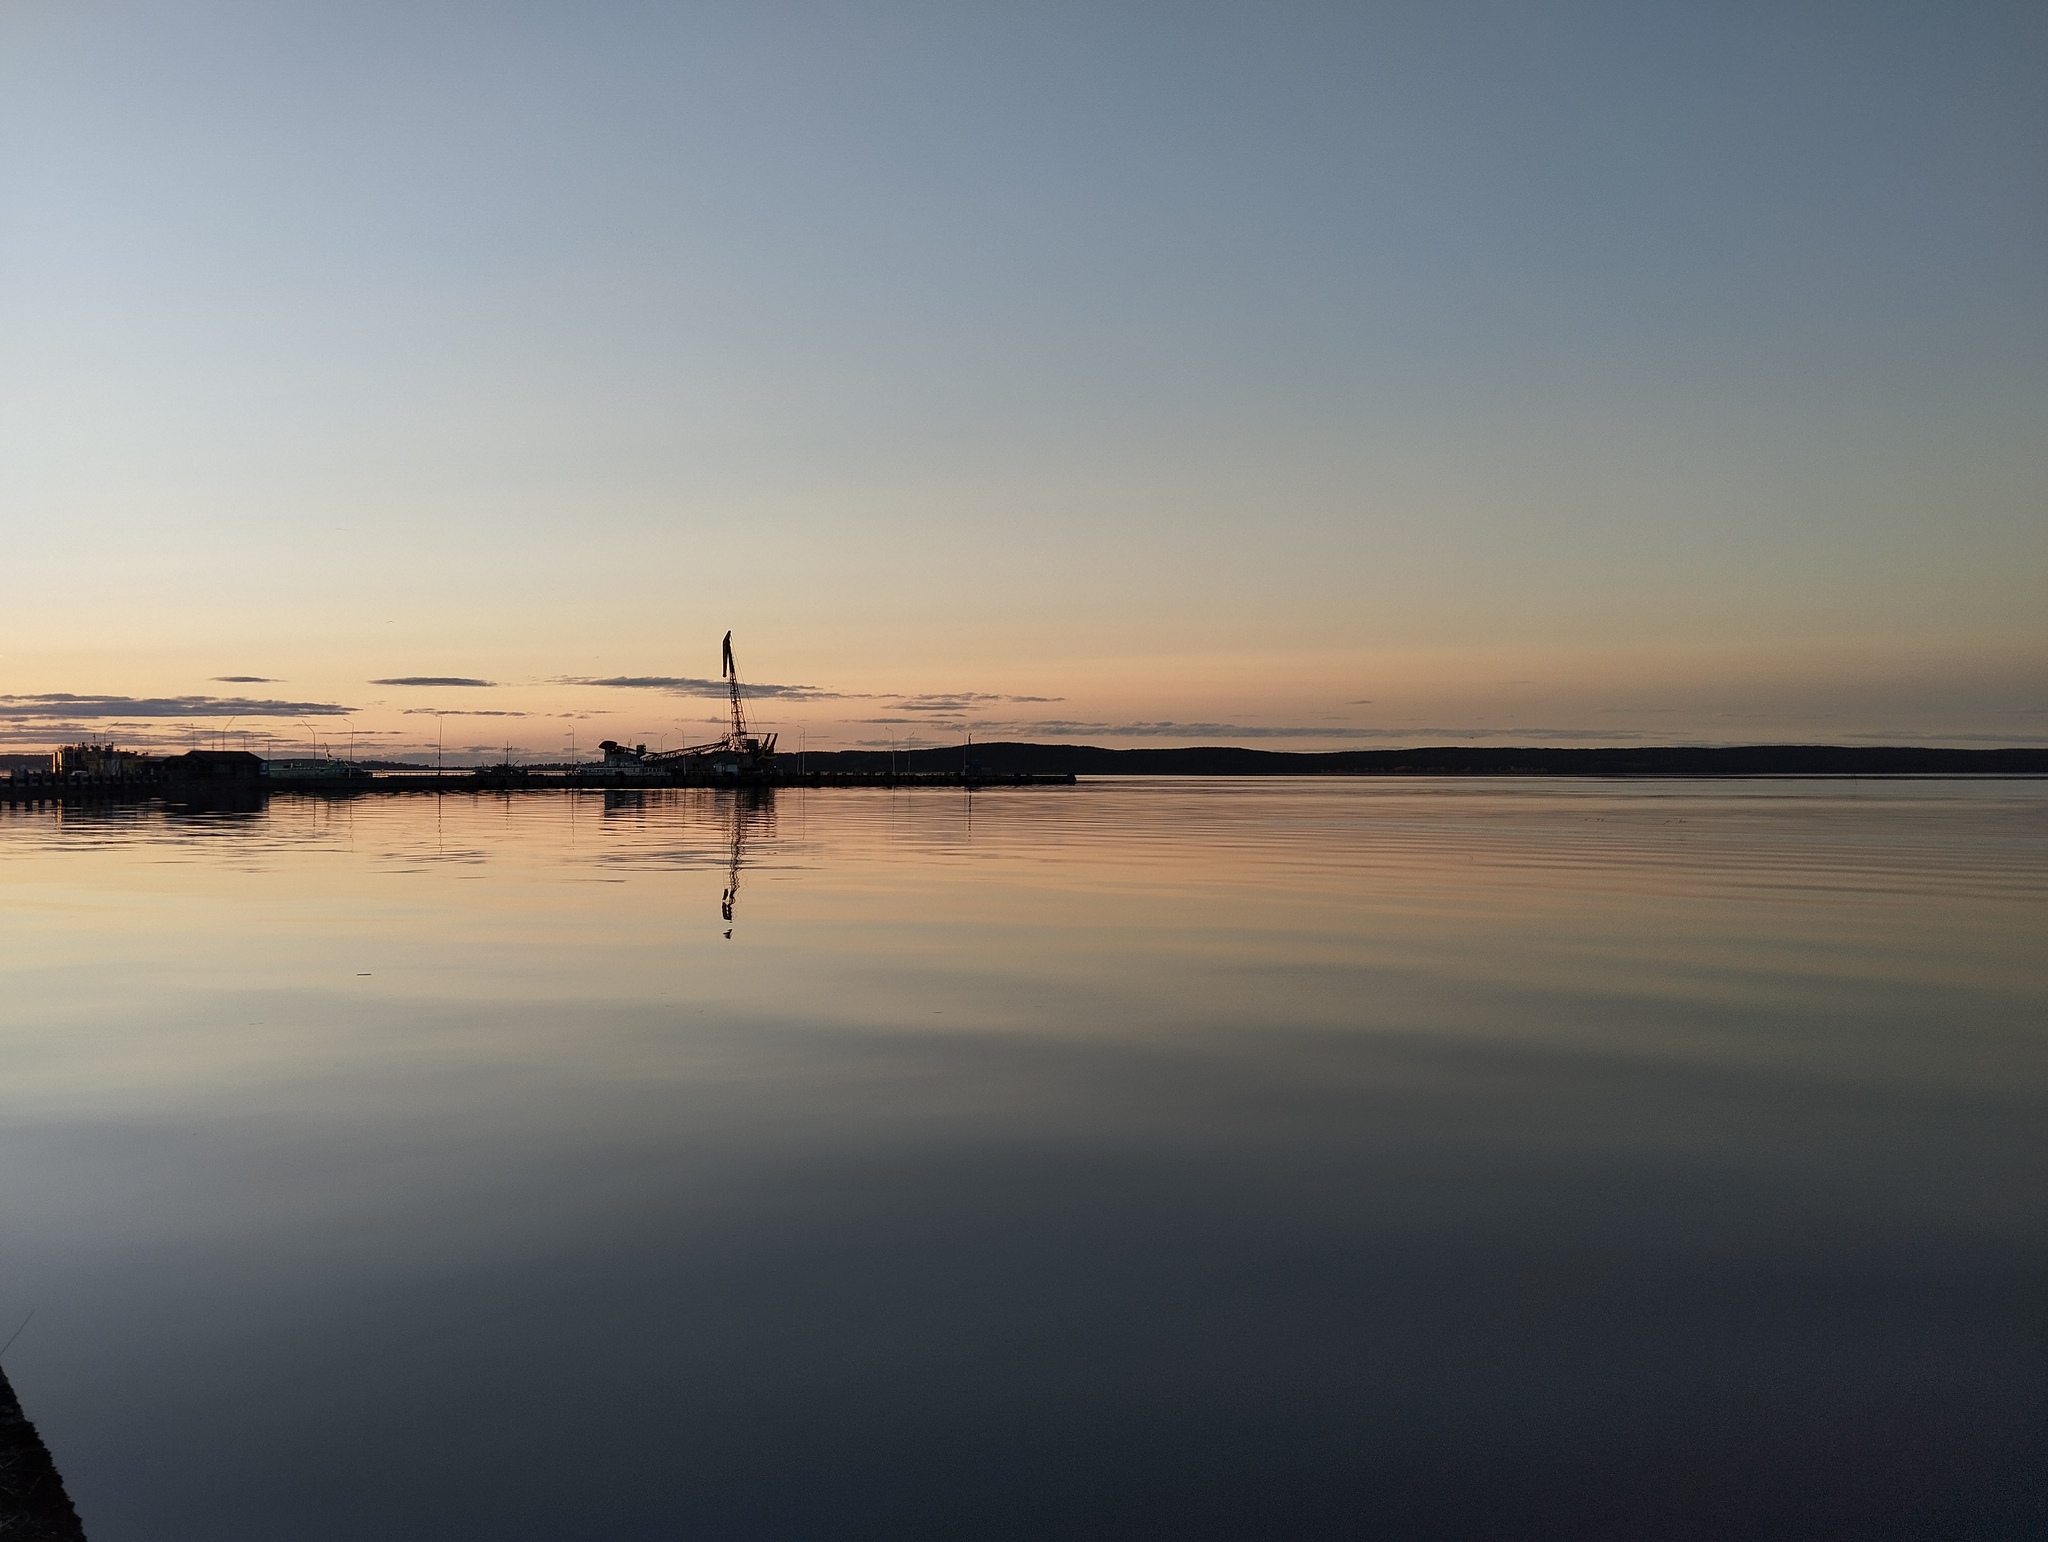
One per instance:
(1141,1158)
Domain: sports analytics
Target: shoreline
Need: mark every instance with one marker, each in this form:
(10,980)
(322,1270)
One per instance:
(240,779)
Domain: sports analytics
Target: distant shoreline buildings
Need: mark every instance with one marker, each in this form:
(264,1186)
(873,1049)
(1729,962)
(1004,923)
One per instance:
(86,766)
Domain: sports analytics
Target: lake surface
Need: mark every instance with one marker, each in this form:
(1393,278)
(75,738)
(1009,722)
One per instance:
(1191,1159)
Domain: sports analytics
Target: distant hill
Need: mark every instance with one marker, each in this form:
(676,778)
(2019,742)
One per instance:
(1453,760)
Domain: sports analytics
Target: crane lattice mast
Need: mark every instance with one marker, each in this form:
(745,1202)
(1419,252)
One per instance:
(737,742)
(732,685)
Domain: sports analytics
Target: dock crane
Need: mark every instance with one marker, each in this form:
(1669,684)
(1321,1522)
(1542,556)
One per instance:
(740,752)
(737,739)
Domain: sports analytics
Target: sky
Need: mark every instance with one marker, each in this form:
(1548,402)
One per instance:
(1307,376)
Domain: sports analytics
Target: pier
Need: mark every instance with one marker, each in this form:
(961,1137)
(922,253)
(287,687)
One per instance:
(38,787)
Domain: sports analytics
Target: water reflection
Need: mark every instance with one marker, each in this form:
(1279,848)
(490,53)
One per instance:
(1187,1159)
(738,821)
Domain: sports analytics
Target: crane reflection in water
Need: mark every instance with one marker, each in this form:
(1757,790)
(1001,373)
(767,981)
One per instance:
(733,815)
(750,810)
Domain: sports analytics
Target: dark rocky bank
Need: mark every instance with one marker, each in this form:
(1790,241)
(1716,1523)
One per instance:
(33,1504)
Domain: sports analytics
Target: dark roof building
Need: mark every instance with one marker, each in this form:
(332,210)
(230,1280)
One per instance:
(213,766)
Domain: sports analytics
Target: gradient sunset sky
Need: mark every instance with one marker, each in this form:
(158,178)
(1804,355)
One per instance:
(1297,375)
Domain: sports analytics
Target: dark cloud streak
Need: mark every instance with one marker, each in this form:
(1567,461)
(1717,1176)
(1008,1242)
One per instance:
(686,685)
(952,703)
(941,703)
(62,704)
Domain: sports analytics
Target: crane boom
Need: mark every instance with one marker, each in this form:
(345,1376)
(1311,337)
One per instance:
(731,671)
(740,749)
